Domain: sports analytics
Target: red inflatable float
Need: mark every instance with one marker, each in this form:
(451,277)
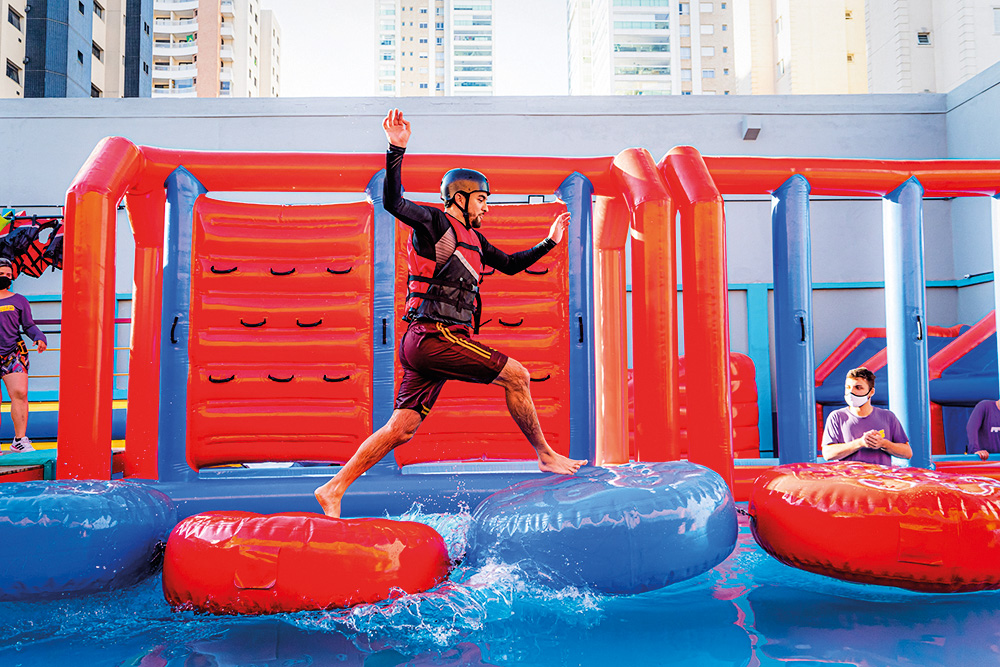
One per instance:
(245,563)
(904,527)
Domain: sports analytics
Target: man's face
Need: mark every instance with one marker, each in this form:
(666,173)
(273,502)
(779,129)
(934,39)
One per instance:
(477,209)
(857,386)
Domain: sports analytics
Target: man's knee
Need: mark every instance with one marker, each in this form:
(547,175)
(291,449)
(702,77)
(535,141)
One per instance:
(515,374)
(403,426)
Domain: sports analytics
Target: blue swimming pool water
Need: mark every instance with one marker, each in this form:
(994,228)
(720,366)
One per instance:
(750,610)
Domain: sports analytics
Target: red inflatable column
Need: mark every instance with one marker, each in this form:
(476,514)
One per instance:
(654,306)
(87,357)
(146,215)
(706,311)
(610,226)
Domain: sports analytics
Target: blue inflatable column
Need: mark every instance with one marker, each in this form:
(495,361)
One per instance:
(383,316)
(793,328)
(577,193)
(183,189)
(905,316)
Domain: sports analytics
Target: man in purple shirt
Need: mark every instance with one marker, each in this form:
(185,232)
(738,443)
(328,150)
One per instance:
(983,429)
(862,432)
(15,316)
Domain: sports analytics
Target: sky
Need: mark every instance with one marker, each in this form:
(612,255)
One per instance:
(327,47)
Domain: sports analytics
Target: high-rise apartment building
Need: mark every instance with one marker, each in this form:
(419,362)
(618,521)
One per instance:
(650,47)
(917,46)
(434,47)
(82,48)
(215,48)
(13,29)
(801,46)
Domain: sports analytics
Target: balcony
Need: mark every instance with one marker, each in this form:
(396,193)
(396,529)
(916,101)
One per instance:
(174,71)
(176,49)
(182,27)
(227,30)
(226,53)
(228,8)
(226,74)
(175,5)
(175,92)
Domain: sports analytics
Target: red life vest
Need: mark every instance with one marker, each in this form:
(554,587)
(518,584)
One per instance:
(448,294)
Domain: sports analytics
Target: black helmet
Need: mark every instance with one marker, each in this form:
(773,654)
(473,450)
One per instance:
(466,181)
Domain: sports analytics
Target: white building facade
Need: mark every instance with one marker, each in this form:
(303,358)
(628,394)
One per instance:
(215,48)
(434,47)
(649,47)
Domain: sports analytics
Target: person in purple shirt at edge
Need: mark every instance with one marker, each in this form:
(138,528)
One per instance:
(15,316)
(862,432)
(983,429)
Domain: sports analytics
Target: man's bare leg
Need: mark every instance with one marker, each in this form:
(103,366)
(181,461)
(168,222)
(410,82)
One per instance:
(400,428)
(514,378)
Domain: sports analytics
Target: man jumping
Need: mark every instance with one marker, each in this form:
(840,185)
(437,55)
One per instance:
(446,257)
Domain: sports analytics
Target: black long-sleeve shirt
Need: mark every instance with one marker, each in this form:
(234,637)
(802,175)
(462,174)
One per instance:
(433,236)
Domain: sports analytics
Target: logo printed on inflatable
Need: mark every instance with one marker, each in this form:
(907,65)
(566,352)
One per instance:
(627,529)
(904,527)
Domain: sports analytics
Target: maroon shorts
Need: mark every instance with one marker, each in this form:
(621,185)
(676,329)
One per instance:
(432,353)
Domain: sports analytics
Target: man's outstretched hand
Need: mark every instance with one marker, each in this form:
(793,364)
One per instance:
(397,129)
(559,227)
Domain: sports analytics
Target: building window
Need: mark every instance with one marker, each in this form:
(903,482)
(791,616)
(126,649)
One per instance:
(145,68)
(423,10)
(97,51)
(850,57)
(439,26)
(83,10)
(685,31)
(79,56)
(726,71)
(707,29)
(145,27)
(13,72)
(996,20)
(708,73)
(708,51)
(685,92)
(723,6)
(848,14)
(684,8)
(14,18)
(99,10)
(725,49)
(423,26)
(95,91)
(923,38)
(423,85)
(707,8)
(685,53)
(725,27)
(781,67)
(685,75)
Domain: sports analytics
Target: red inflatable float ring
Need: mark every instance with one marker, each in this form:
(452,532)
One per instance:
(904,527)
(246,563)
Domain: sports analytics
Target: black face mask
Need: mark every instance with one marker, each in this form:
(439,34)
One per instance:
(4,282)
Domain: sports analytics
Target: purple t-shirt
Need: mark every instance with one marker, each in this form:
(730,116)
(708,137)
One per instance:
(843,426)
(15,316)
(983,428)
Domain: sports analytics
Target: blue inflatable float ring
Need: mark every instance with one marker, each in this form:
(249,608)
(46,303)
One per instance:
(63,537)
(626,529)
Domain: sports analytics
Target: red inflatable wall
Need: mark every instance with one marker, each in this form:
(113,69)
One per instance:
(281,332)
(527,317)
(746,434)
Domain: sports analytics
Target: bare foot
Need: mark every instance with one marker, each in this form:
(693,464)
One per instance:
(551,461)
(328,500)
